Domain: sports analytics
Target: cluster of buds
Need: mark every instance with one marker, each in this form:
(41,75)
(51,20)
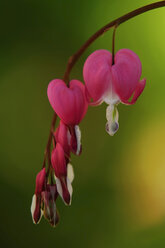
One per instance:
(104,82)
(70,104)
(44,200)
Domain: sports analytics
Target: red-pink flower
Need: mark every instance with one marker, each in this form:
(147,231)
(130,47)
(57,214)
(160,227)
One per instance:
(68,102)
(62,170)
(71,105)
(113,83)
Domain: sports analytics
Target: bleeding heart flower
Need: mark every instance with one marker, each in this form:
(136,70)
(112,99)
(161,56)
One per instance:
(113,83)
(68,102)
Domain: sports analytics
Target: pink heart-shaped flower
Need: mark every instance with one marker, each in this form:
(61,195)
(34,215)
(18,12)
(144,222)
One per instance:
(69,103)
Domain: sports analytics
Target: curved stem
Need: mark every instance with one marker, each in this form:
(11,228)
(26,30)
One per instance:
(73,59)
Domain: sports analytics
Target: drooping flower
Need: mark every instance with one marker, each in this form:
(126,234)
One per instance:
(113,84)
(36,200)
(68,102)
(71,105)
(44,200)
(63,181)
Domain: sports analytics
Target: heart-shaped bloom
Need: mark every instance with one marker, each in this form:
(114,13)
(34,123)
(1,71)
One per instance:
(113,83)
(68,102)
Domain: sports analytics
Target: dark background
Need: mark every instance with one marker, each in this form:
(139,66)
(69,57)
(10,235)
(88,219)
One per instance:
(119,186)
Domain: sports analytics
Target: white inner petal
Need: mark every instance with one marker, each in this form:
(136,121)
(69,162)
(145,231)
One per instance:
(59,187)
(78,138)
(70,172)
(70,189)
(112,116)
(33,205)
(111,97)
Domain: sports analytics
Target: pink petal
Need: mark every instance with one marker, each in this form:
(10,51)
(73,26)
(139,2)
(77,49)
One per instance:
(40,180)
(69,103)
(139,89)
(62,136)
(97,75)
(126,73)
(58,161)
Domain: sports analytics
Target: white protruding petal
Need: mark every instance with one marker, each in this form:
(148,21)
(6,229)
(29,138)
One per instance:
(59,187)
(78,138)
(112,116)
(70,189)
(70,172)
(33,207)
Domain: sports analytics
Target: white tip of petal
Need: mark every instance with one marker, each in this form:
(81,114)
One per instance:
(60,191)
(59,187)
(78,138)
(70,189)
(70,172)
(33,207)
(112,116)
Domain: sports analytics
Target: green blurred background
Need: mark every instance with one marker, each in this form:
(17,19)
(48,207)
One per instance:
(119,187)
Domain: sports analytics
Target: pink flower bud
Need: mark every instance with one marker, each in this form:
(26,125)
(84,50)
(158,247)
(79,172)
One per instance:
(64,185)
(68,102)
(36,200)
(40,181)
(62,136)
(60,167)
(58,161)
(49,197)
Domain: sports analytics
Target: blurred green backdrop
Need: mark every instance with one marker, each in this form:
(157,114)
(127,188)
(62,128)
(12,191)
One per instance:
(119,187)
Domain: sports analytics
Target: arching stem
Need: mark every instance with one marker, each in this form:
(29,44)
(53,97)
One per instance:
(113,44)
(74,58)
